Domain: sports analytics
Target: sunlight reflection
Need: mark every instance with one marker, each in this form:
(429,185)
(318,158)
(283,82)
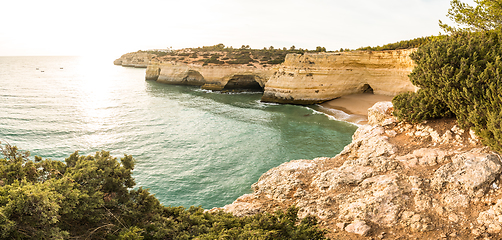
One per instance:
(96,98)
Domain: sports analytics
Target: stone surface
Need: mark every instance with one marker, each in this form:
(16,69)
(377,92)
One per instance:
(393,178)
(135,59)
(358,227)
(317,77)
(302,79)
(208,77)
(381,114)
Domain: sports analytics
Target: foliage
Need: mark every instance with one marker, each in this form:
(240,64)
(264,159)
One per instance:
(459,75)
(320,49)
(213,59)
(220,54)
(158,53)
(417,107)
(486,15)
(407,44)
(90,197)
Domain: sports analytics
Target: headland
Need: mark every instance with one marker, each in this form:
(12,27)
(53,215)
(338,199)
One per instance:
(394,181)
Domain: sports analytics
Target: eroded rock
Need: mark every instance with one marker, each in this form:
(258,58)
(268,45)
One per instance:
(390,178)
(358,227)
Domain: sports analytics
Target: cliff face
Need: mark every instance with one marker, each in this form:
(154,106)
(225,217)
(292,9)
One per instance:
(135,59)
(394,181)
(318,77)
(302,79)
(209,77)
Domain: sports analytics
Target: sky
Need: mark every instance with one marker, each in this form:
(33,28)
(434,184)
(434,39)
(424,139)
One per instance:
(110,27)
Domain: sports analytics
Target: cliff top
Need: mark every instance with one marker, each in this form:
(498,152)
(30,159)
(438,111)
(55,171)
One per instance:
(226,56)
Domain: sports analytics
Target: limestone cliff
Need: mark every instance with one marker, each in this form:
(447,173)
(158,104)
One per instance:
(394,181)
(317,77)
(209,77)
(302,79)
(135,59)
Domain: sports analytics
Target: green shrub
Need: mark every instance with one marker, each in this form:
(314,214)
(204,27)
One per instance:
(213,59)
(406,44)
(459,75)
(417,107)
(90,197)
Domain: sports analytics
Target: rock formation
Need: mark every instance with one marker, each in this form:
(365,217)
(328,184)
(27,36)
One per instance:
(302,79)
(209,77)
(317,77)
(135,59)
(394,181)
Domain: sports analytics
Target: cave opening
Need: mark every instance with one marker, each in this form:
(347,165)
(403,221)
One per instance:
(243,83)
(366,88)
(193,77)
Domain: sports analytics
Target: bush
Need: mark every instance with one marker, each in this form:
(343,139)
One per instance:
(407,44)
(90,197)
(459,75)
(213,59)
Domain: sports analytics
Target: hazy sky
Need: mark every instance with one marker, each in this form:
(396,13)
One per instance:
(53,27)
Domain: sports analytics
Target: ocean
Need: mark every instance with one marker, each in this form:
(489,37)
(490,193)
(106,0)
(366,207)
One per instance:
(192,147)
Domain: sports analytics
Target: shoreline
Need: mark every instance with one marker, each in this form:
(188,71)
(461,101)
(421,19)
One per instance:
(351,108)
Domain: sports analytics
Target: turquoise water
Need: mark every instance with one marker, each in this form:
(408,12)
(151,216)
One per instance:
(192,147)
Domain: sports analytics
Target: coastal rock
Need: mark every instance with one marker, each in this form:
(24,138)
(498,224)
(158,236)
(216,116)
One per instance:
(377,199)
(301,79)
(358,227)
(381,114)
(209,77)
(135,59)
(470,171)
(425,157)
(347,175)
(242,208)
(392,178)
(491,219)
(281,182)
(317,77)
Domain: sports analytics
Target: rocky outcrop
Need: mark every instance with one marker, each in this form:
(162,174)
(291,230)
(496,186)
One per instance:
(302,79)
(317,77)
(394,181)
(135,59)
(209,77)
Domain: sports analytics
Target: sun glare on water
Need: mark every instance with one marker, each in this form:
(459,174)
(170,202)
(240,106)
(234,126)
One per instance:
(95,99)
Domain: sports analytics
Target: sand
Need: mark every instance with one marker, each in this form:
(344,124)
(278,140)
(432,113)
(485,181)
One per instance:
(352,108)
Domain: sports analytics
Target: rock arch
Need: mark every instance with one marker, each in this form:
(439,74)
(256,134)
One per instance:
(193,77)
(243,82)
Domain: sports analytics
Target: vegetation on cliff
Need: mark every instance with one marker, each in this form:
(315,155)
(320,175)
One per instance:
(90,197)
(460,75)
(221,55)
(406,44)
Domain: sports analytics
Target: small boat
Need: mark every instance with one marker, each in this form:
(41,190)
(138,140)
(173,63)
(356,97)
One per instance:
(60,68)
(37,68)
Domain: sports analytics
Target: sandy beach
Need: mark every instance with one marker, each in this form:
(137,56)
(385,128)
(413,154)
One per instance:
(352,108)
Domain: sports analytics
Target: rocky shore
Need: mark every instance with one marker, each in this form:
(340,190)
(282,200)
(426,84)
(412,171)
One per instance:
(394,181)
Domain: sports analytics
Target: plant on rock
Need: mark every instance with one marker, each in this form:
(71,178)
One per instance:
(461,76)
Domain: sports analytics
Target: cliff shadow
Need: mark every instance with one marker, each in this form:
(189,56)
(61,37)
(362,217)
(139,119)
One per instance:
(243,82)
(366,88)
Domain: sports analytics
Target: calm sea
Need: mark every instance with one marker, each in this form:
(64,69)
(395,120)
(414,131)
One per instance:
(192,147)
